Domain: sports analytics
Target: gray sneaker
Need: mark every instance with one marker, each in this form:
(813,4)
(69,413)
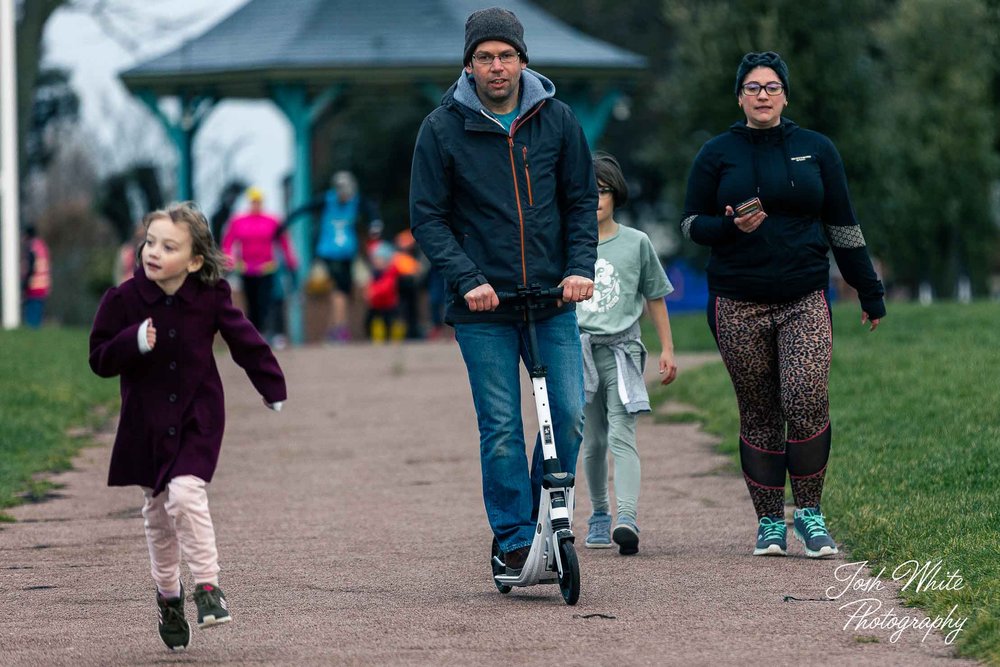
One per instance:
(809,527)
(212,607)
(174,629)
(598,531)
(771,537)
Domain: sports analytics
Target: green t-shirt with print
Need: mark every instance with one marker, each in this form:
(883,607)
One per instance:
(626,275)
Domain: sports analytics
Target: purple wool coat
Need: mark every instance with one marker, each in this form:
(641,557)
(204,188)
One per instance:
(173,411)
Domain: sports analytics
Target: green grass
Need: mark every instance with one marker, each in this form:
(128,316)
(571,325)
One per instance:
(915,466)
(50,399)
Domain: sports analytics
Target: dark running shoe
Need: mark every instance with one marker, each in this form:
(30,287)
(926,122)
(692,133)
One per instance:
(771,537)
(626,536)
(174,629)
(810,529)
(212,608)
(515,560)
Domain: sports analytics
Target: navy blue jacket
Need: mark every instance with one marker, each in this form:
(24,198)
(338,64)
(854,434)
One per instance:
(508,209)
(800,179)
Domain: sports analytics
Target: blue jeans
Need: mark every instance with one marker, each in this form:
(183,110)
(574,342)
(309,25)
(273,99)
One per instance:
(33,312)
(491,352)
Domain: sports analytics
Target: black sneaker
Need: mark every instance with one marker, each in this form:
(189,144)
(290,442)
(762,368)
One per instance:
(174,629)
(626,536)
(212,608)
(515,560)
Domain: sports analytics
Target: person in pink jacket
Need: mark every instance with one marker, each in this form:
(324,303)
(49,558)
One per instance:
(249,246)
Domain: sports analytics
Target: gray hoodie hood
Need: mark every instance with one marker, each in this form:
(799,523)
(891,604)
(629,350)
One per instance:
(534,89)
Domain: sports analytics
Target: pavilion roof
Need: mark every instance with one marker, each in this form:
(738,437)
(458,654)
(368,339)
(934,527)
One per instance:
(319,42)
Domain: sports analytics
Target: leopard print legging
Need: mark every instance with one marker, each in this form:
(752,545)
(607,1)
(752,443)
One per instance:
(778,357)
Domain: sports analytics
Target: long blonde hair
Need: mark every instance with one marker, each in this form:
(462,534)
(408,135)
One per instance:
(202,242)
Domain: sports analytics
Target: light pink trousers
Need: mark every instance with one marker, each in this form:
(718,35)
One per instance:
(178,521)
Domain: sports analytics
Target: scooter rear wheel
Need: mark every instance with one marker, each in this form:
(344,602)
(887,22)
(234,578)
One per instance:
(569,582)
(497,569)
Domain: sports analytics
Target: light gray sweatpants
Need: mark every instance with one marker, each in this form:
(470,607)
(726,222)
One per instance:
(608,425)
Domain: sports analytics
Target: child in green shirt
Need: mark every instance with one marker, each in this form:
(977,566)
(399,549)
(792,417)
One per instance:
(628,276)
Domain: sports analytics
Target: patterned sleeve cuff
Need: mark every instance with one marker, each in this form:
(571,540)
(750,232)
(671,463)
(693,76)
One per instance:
(848,236)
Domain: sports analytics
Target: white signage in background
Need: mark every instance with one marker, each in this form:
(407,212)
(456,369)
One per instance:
(10,238)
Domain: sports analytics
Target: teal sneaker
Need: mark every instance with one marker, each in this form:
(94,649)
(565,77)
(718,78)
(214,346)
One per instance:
(810,529)
(174,629)
(212,607)
(626,536)
(771,537)
(598,531)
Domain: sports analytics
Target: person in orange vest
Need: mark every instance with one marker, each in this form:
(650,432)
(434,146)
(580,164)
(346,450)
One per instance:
(36,280)
(408,266)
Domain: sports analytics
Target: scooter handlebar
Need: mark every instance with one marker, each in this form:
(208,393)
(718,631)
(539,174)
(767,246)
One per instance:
(552,293)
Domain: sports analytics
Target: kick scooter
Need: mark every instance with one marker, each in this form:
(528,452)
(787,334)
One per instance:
(552,557)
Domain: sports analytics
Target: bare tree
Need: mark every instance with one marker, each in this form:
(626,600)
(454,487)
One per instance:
(31,19)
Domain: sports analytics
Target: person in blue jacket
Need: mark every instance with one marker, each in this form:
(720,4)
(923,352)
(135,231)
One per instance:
(502,194)
(770,199)
(337,238)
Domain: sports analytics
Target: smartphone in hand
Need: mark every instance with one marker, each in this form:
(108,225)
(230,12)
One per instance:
(748,207)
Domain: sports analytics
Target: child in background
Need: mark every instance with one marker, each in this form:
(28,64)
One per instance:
(627,275)
(36,276)
(125,263)
(383,294)
(156,331)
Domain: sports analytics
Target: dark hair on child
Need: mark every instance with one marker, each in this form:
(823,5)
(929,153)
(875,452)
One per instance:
(202,243)
(608,171)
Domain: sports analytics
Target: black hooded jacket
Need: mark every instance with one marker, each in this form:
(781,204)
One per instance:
(799,177)
(508,209)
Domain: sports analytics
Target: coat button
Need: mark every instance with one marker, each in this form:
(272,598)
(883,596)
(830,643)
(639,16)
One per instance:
(173,365)
(170,300)
(173,398)
(172,333)
(171,431)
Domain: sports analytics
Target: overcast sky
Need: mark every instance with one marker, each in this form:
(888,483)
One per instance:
(256,133)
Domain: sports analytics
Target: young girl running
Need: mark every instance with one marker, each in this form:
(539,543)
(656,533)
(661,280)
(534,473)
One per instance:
(628,274)
(156,331)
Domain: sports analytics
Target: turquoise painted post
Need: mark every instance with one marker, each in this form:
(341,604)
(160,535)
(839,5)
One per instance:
(432,92)
(293,100)
(593,117)
(185,164)
(181,133)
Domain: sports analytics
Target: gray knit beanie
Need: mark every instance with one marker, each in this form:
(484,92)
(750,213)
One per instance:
(493,23)
(765,59)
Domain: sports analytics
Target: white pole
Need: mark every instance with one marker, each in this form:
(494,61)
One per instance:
(9,195)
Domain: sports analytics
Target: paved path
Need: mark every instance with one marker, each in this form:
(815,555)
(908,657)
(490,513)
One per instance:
(352,531)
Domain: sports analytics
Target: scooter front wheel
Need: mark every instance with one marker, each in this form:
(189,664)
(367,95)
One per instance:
(497,567)
(569,581)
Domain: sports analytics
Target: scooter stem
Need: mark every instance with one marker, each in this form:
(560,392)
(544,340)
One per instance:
(538,369)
